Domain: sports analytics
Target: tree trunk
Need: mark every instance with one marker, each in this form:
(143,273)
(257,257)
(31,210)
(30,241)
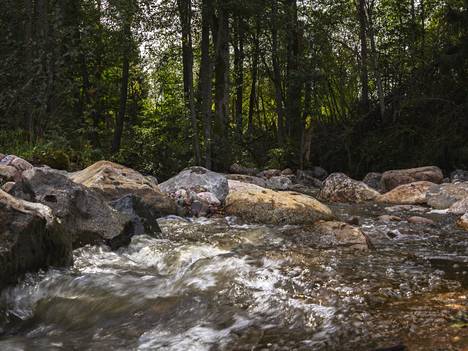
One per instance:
(253,88)
(239,67)
(375,60)
(361,13)
(118,131)
(185,13)
(277,74)
(205,79)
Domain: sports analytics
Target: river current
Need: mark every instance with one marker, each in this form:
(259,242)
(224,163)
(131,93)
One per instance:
(220,284)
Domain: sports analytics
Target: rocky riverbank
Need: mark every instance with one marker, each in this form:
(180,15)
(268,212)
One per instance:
(45,213)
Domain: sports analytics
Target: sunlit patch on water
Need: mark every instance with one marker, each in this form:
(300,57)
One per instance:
(219,284)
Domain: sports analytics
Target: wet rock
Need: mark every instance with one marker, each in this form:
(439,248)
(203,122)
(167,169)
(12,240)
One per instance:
(307,178)
(373,180)
(268,173)
(247,179)
(445,195)
(420,220)
(459,207)
(389,218)
(279,183)
(239,169)
(198,179)
(257,204)
(30,239)
(391,179)
(463,222)
(338,187)
(338,234)
(143,217)
(458,176)
(84,213)
(412,194)
(406,208)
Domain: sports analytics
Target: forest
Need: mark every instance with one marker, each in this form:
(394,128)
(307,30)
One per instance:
(354,86)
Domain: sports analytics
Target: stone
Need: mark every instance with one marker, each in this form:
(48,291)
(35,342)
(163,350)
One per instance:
(420,220)
(143,217)
(287,172)
(407,194)
(256,204)
(333,234)
(247,179)
(458,176)
(307,178)
(198,180)
(445,195)
(115,181)
(30,239)
(279,183)
(391,179)
(8,186)
(373,180)
(8,173)
(84,213)
(459,207)
(11,168)
(338,187)
(16,162)
(463,222)
(239,169)
(389,218)
(269,173)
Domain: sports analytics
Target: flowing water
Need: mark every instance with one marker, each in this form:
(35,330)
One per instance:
(220,284)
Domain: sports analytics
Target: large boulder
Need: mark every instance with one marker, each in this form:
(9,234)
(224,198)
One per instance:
(391,179)
(256,204)
(338,187)
(459,207)
(115,181)
(373,180)
(445,195)
(85,215)
(198,180)
(407,194)
(30,239)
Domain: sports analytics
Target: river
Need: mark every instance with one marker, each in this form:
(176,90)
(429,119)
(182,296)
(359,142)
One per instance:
(220,284)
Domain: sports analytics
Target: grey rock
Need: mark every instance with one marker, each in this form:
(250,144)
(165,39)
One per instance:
(30,239)
(445,195)
(239,169)
(338,187)
(458,176)
(198,179)
(143,217)
(85,215)
(279,183)
(373,180)
(308,178)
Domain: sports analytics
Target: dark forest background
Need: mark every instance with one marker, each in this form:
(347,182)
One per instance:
(350,85)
